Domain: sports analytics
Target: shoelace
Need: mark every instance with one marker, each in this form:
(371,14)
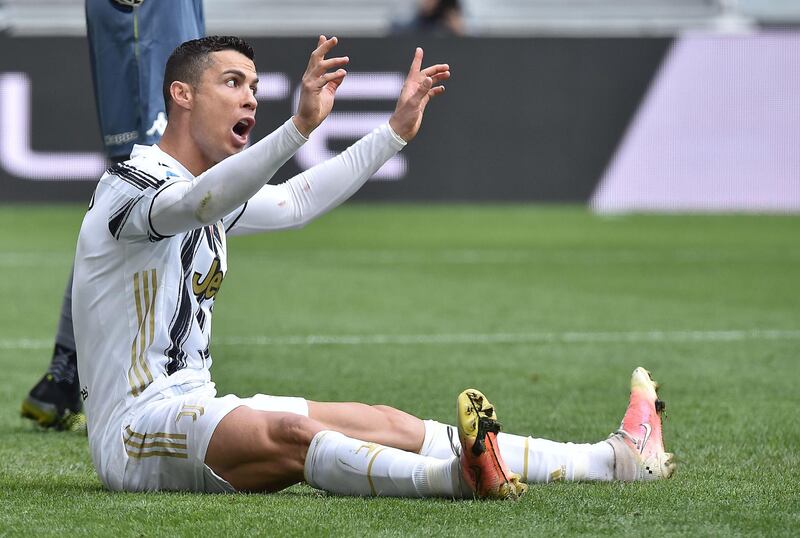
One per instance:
(456,448)
(63,367)
(626,435)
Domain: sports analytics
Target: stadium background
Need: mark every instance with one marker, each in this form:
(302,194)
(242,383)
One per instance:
(635,106)
(646,111)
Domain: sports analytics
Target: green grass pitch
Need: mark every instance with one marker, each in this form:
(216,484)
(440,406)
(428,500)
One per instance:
(545,309)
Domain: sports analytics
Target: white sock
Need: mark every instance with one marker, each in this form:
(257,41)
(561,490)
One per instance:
(441,441)
(340,464)
(535,460)
(540,460)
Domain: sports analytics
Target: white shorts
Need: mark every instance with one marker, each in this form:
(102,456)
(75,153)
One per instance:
(165,441)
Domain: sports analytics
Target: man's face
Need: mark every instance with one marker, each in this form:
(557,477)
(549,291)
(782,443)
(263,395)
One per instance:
(224,108)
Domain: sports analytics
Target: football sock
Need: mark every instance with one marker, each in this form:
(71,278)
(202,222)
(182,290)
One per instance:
(540,460)
(440,441)
(340,464)
(65,336)
(535,460)
(64,363)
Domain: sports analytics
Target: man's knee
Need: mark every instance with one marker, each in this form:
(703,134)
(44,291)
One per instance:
(260,450)
(246,435)
(292,430)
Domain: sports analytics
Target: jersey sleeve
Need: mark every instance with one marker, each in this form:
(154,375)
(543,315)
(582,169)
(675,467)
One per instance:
(230,220)
(303,198)
(227,185)
(130,191)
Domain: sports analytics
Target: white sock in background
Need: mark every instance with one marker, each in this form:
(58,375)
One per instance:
(535,460)
(340,464)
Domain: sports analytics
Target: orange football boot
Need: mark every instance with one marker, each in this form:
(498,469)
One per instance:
(482,466)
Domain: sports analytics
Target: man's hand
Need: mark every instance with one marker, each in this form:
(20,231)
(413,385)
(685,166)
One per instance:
(318,87)
(417,90)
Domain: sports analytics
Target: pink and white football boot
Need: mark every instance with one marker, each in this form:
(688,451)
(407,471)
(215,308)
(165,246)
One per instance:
(638,445)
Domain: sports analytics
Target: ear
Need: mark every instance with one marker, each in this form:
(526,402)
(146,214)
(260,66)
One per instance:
(182,94)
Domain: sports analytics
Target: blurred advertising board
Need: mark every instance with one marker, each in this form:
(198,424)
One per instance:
(544,119)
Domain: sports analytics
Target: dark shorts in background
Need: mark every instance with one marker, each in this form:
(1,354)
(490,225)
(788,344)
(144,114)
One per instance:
(129,48)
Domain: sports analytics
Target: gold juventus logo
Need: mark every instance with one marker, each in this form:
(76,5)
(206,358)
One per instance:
(193,411)
(209,287)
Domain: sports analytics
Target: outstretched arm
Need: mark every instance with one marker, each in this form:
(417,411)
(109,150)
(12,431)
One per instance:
(187,205)
(304,197)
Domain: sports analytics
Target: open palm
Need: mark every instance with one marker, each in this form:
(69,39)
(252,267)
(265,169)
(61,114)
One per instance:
(319,85)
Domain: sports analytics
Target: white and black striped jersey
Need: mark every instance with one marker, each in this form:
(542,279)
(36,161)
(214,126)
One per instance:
(142,302)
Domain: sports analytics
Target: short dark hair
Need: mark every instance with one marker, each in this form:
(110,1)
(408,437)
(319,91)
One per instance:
(188,61)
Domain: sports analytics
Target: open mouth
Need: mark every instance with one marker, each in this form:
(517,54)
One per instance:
(243,127)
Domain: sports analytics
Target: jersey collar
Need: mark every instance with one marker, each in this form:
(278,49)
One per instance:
(163,157)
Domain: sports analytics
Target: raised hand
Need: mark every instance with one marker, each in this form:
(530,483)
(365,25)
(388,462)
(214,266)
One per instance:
(418,89)
(318,87)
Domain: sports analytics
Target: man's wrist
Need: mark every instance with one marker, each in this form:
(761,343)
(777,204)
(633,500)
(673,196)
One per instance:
(302,127)
(400,140)
(396,131)
(294,133)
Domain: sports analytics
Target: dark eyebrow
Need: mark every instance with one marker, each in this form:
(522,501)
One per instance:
(239,74)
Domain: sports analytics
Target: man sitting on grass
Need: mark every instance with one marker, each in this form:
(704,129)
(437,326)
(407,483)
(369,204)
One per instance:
(151,258)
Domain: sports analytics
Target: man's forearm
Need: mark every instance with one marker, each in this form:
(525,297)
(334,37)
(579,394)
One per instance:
(225,186)
(321,188)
